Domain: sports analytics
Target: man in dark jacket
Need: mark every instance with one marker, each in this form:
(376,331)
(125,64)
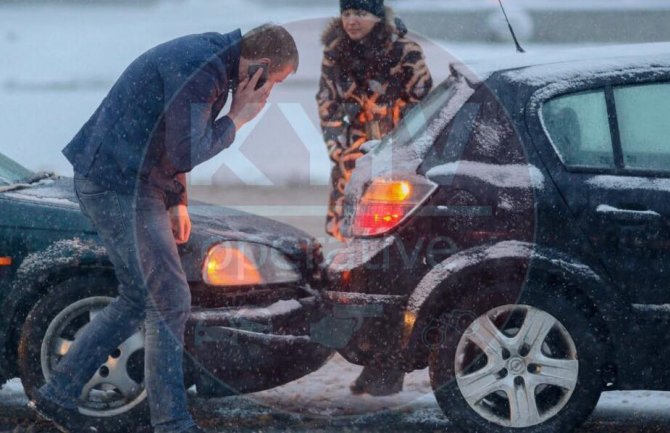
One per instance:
(158,121)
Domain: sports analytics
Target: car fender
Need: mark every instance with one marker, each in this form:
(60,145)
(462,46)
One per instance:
(471,282)
(36,272)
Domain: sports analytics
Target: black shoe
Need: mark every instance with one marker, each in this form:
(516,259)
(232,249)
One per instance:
(65,419)
(378,381)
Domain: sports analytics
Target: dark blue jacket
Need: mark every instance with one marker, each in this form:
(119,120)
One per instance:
(159,119)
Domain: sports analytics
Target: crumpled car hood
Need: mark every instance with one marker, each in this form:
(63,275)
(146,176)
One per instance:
(55,207)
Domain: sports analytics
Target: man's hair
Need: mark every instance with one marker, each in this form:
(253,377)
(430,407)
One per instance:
(273,42)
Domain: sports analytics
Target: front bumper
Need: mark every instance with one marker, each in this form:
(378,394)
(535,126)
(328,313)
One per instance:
(243,350)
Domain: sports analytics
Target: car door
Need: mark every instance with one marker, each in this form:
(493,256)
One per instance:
(613,142)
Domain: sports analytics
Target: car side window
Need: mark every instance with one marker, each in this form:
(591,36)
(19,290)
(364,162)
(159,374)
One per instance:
(578,127)
(643,113)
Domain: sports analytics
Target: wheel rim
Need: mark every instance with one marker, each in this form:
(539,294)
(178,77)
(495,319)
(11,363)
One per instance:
(516,366)
(118,385)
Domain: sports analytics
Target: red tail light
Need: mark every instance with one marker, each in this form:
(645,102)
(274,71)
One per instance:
(386,203)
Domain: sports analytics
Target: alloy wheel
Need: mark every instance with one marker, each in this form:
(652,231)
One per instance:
(516,366)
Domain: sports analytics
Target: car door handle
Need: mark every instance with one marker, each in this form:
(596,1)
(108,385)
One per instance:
(628,214)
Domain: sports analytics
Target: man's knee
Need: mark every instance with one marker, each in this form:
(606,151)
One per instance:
(128,306)
(172,302)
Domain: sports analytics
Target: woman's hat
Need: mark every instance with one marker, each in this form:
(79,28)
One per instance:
(375,7)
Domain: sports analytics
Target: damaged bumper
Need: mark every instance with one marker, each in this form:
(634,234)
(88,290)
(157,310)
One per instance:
(243,350)
(363,315)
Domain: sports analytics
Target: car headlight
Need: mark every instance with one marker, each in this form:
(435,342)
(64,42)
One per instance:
(247,264)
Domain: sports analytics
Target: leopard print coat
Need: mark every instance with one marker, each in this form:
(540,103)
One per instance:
(366,88)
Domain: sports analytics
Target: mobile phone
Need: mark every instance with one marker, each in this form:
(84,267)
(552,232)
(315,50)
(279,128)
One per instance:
(264,76)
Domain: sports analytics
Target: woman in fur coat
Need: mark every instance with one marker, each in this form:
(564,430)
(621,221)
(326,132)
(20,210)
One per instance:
(372,75)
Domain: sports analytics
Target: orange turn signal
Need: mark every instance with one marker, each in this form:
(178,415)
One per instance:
(5,261)
(388,192)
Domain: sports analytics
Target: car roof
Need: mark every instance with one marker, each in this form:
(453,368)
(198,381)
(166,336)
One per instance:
(538,69)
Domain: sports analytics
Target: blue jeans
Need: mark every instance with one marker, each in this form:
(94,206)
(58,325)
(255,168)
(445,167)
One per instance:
(153,291)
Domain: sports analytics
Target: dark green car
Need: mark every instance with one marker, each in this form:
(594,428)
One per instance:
(251,280)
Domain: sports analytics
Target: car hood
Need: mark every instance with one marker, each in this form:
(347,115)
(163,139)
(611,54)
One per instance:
(217,223)
(55,207)
(53,192)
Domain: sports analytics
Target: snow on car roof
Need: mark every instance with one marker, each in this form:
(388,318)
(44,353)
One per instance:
(541,68)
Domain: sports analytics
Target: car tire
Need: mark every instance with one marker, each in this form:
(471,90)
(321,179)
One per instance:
(54,322)
(487,390)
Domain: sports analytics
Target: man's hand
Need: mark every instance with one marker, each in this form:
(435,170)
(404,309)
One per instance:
(181,223)
(248,102)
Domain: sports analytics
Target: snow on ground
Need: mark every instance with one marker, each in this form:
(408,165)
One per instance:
(325,395)
(59,62)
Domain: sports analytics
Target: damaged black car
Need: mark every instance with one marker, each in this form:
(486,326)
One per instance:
(512,235)
(252,282)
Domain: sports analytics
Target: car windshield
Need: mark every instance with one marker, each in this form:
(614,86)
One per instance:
(11,172)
